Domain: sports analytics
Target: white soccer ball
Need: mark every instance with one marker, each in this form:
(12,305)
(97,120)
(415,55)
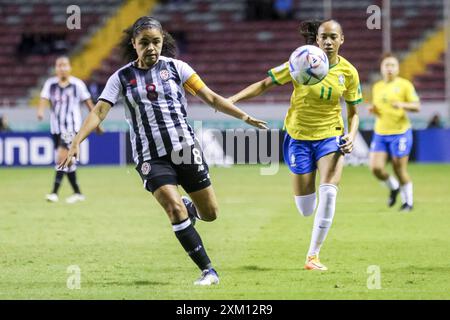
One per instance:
(308,65)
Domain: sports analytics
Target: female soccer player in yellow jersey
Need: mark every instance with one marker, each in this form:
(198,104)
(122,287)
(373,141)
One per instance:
(392,98)
(315,129)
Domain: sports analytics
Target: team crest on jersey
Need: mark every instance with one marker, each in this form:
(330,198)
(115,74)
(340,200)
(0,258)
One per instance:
(145,168)
(341,79)
(164,74)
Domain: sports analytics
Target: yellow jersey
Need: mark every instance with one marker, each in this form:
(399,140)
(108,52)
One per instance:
(392,120)
(315,110)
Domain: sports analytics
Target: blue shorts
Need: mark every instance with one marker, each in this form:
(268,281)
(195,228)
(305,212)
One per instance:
(301,156)
(396,145)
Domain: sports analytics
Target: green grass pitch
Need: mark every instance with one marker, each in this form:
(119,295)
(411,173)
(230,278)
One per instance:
(124,246)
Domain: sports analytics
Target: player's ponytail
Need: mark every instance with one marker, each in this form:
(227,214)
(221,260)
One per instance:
(126,47)
(169,48)
(309,29)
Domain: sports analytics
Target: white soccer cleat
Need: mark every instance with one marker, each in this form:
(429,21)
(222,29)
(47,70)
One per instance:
(52,197)
(208,277)
(75,198)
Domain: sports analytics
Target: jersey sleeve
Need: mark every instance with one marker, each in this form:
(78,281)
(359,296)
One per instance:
(111,92)
(353,94)
(410,93)
(189,78)
(45,92)
(193,84)
(280,75)
(84,92)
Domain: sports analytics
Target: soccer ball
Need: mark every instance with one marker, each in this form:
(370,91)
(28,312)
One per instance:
(308,65)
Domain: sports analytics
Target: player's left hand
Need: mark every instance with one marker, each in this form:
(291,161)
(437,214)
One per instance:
(347,146)
(373,109)
(256,122)
(99,130)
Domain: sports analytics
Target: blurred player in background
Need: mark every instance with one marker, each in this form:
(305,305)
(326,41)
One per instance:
(315,129)
(393,97)
(154,87)
(64,93)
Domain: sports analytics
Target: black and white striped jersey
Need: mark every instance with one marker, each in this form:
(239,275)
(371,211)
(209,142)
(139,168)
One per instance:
(65,113)
(155,106)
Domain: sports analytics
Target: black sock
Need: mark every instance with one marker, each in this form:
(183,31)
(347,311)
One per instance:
(73,181)
(58,178)
(192,243)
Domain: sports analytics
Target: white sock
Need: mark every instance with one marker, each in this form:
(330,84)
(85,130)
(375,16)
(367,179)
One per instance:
(324,217)
(406,193)
(306,204)
(391,183)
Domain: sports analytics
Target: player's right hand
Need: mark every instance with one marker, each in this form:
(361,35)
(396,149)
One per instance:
(72,156)
(346,145)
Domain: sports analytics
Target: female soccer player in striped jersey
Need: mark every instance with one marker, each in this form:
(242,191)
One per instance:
(392,97)
(314,126)
(154,87)
(64,93)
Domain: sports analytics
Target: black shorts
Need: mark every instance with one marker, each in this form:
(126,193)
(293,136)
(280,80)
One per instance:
(63,140)
(187,169)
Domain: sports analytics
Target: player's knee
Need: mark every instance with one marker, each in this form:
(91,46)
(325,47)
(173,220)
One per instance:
(377,170)
(175,210)
(209,213)
(306,204)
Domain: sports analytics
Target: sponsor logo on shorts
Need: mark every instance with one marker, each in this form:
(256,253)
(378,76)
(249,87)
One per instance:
(201,168)
(145,168)
(293,160)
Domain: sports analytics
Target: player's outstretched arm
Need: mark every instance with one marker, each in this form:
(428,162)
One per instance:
(93,120)
(224,105)
(252,90)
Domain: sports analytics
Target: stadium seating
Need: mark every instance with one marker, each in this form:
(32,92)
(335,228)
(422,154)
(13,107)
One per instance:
(230,52)
(215,38)
(21,67)
(431,84)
